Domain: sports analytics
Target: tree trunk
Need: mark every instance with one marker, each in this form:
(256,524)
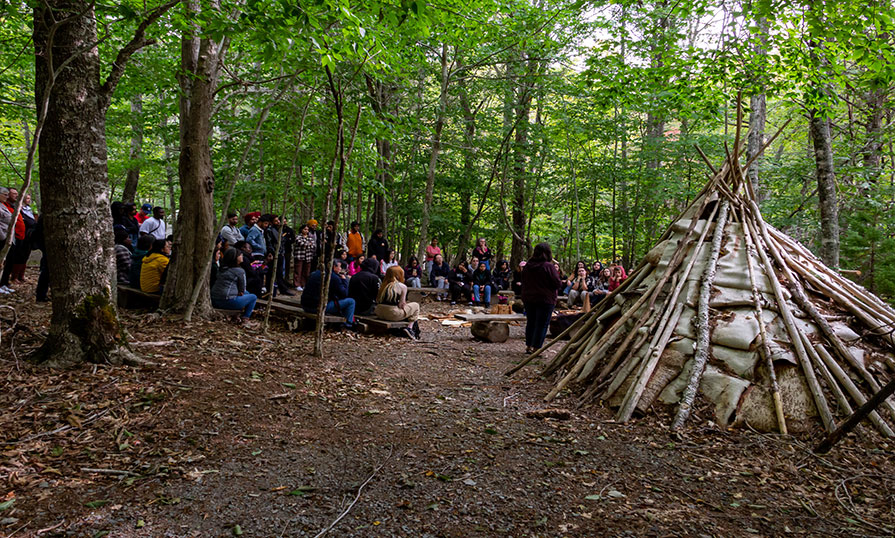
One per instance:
(133,171)
(522,109)
(74,185)
(758,113)
(469,156)
(435,151)
(194,231)
(826,190)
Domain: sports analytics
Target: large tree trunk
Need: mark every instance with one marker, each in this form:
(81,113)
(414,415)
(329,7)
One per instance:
(74,187)
(469,155)
(522,109)
(435,151)
(758,113)
(194,231)
(826,190)
(133,171)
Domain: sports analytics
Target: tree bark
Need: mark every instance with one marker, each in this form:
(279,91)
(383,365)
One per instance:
(522,109)
(434,152)
(194,230)
(133,170)
(758,112)
(469,157)
(826,189)
(74,182)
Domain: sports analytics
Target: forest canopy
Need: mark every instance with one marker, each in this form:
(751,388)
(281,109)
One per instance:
(518,121)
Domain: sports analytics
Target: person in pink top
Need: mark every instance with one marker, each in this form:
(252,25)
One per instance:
(355,266)
(432,250)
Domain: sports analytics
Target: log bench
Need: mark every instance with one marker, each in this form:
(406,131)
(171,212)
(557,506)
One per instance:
(490,327)
(135,298)
(490,317)
(296,317)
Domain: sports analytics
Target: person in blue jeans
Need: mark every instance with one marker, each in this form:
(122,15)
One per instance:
(229,289)
(338,303)
(540,282)
(482,284)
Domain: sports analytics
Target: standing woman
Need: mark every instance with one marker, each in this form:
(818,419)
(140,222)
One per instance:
(303,255)
(540,282)
(432,250)
(482,253)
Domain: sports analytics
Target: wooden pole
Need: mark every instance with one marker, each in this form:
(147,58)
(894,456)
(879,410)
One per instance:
(855,418)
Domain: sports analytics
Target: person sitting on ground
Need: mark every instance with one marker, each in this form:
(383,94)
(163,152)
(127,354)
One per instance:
(155,267)
(338,303)
(618,276)
(145,211)
(255,237)
(482,285)
(539,284)
(123,256)
(596,269)
(377,246)
(502,276)
(392,301)
(413,273)
(482,253)
(254,279)
(155,225)
(355,266)
(230,232)
(355,241)
(303,255)
(432,250)
(461,283)
(363,287)
(144,245)
(600,287)
(390,260)
(579,288)
(342,256)
(439,277)
(229,289)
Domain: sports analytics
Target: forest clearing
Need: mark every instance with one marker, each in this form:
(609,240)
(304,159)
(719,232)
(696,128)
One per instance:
(278,268)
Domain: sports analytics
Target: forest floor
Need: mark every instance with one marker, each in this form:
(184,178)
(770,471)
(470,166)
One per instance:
(239,433)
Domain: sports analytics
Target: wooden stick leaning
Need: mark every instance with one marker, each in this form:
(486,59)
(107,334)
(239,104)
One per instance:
(788,321)
(585,318)
(846,382)
(857,417)
(759,314)
(701,355)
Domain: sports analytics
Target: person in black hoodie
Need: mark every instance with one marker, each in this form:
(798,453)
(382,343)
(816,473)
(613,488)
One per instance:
(338,303)
(254,281)
(461,283)
(482,284)
(540,282)
(378,246)
(502,276)
(439,276)
(364,286)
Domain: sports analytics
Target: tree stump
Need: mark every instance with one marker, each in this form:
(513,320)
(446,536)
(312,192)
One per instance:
(491,331)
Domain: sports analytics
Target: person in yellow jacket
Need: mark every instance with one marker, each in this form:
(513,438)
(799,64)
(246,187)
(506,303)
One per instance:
(155,266)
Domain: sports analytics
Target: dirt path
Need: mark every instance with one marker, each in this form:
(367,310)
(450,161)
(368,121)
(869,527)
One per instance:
(241,433)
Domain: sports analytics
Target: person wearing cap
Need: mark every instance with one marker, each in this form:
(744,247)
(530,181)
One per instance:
(250,219)
(318,242)
(143,214)
(230,232)
(155,225)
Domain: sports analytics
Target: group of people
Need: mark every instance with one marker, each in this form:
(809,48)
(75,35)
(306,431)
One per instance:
(23,239)
(587,286)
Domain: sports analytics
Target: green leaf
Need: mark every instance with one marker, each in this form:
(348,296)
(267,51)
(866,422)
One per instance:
(289,385)
(97,504)
(594,498)
(7,504)
(302,491)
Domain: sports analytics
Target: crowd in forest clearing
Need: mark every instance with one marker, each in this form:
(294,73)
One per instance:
(265,255)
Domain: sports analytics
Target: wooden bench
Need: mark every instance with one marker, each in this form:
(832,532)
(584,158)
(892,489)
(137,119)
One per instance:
(491,327)
(509,294)
(372,324)
(490,317)
(135,298)
(297,318)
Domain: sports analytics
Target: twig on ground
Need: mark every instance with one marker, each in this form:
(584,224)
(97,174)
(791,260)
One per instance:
(360,490)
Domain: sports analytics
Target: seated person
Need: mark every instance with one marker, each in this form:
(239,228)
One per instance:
(579,288)
(144,243)
(391,260)
(564,281)
(254,280)
(618,276)
(413,273)
(481,284)
(229,289)
(355,266)
(517,278)
(439,276)
(392,299)
(600,286)
(123,255)
(337,301)
(502,276)
(461,284)
(155,267)
(363,287)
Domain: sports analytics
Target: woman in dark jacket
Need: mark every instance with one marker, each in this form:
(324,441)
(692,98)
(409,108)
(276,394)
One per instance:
(540,281)
(439,276)
(502,276)
(461,283)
